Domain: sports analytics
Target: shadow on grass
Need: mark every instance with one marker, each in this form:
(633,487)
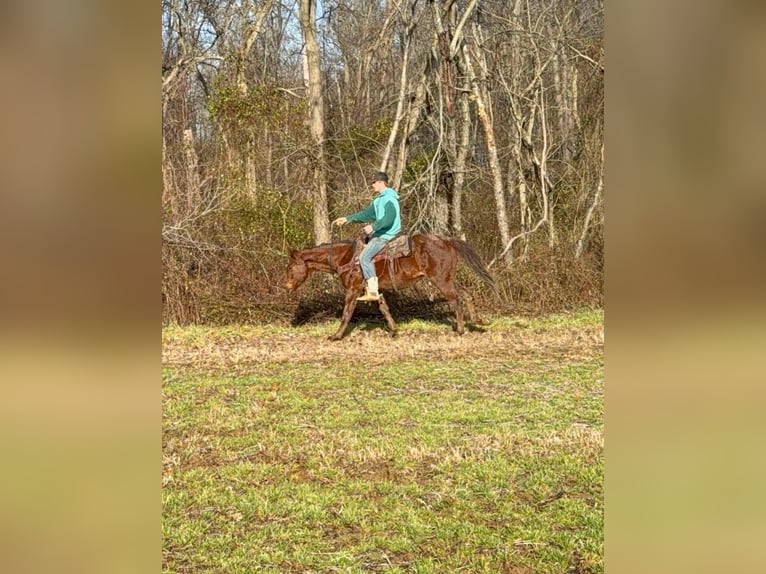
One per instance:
(367,316)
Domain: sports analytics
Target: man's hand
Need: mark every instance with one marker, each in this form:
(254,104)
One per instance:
(340,221)
(367,229)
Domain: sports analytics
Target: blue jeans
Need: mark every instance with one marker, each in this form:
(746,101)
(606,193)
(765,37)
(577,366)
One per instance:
(373,247)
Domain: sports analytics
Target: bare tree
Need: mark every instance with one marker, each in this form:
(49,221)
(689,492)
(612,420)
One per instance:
(482,100)
(594,203)
(487,115)
(409,26)
(313,81)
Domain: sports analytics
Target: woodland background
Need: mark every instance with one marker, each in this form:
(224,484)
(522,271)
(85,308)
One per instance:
(487,114)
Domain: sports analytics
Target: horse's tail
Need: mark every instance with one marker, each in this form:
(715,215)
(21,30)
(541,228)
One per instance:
(473,260)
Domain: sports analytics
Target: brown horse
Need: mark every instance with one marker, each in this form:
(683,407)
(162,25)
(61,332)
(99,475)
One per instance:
(432,256)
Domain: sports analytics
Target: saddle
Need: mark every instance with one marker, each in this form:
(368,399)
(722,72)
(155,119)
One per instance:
(399,246)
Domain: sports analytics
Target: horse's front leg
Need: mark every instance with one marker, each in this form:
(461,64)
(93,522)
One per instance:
(352,292)
(387,314)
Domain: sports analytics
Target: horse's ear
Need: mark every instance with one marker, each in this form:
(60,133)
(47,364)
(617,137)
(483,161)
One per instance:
(293,253)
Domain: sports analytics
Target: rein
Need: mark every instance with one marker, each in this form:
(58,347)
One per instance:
(340,269)
(332,244)
(331,253)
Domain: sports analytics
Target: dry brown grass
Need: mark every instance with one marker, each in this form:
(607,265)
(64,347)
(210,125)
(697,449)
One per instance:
(376,347)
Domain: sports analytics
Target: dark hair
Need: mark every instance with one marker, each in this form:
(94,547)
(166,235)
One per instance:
(380,176)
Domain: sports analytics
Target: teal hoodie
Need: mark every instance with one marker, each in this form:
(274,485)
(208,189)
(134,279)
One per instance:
(384,212)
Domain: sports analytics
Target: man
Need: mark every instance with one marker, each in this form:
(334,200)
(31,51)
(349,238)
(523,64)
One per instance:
(385,217)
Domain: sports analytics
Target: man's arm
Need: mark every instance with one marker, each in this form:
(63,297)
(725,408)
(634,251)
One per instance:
(367,214)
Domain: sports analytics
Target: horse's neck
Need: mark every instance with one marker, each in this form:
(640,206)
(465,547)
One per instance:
(327,257)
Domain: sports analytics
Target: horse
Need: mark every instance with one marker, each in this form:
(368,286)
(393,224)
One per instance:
(432,256)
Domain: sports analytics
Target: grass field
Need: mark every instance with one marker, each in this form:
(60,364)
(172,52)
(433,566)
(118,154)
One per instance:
(284,452)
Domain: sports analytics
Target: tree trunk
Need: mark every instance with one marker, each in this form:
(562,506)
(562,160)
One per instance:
(441,180)
(400,100)
(461,158)
(413,121)
(313,80)
(543,168)
(269,159)
(463,121)
(580,247)
(479,97)
(442,189)
(169,193)
(455,87)
(560,94)
(192,172)
(252,34)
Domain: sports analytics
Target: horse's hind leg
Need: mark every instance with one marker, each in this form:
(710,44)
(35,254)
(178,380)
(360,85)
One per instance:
(450,293)
(387,314)
(454,300)
(467,301)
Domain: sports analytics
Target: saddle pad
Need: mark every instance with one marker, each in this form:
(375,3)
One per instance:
(399,246)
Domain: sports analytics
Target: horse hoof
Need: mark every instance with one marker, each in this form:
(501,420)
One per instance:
(394,334)
(334,338)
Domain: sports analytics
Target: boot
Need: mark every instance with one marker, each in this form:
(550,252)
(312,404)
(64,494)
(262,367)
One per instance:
(371,291)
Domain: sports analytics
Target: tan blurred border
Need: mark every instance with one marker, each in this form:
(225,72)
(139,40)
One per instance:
(79,338)
(685,205)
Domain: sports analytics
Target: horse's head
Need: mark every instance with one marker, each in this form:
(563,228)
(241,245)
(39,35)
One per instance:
(296,272)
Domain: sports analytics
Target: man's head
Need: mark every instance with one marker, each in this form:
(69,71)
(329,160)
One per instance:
(379,181)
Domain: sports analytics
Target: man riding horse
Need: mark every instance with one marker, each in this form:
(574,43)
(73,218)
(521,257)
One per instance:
(384,217)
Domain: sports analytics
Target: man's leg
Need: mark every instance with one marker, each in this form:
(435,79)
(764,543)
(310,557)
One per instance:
(373,247)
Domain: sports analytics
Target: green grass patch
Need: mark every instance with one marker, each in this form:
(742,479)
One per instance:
(488,462)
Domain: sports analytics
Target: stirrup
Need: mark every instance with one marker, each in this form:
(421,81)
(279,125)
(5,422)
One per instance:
(369,297)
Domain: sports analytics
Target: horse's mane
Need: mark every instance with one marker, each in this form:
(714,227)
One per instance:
(346,242)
